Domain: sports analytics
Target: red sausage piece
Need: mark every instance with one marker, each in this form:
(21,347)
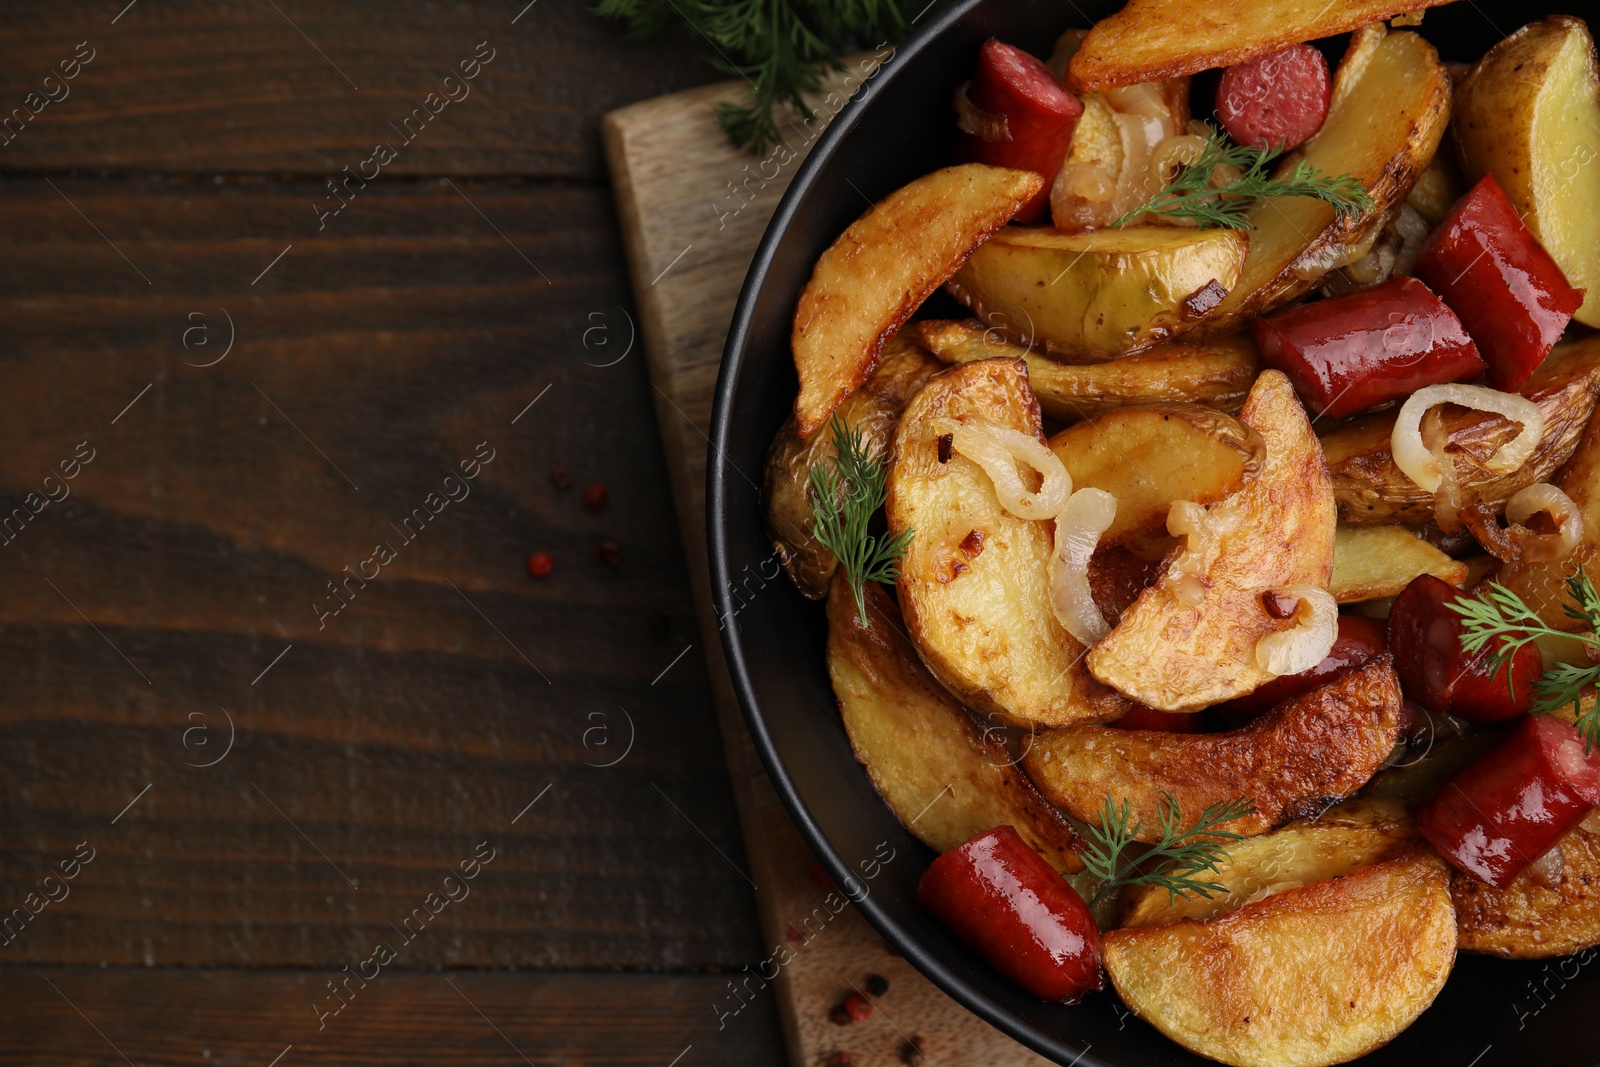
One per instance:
(1279,100)
(1425,637)
(1490,268)
(1360,641)
(1350,353)
(1014,910)
(1502,812)
(1040,114)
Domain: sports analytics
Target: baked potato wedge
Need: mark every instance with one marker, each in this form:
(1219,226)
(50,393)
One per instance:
(1306,977)
(1390,108)
(1343,839)
(872,411)
(1529,113)
(974,582)
(944,773)
(1148,457)
(1216,374)
(1371,491)
(1377,562)
(1189,641)
(1151,39)
(1531,919)
(1292,762)
(1095,296)
(881,269)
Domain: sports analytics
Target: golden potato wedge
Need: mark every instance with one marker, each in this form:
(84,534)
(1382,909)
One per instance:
(1152,39)
(1098,295)
(974,583)
(1530,114)
(1345,838)
(1542,584)
(1530,919)
(1216,374)
(1275,532)
(1292,762)
(1377,562)
(881,269)
(1371,491)
(1391,106)
(872,411)
(1149,457)
(1305,978)
(945,773)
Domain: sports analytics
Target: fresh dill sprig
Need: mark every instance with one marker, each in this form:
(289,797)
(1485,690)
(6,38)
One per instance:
(1190,196)
(1500,615)
(781,47)
(1181,856)
(845,494)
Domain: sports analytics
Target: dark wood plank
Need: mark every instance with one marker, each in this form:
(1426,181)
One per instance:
(226,1018)
(393,738)
(240,86)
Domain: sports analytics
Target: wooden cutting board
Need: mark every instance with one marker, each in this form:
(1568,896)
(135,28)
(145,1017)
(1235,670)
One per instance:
(693,210)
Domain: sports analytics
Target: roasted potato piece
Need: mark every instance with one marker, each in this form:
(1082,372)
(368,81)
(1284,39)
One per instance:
(1352,835)
(1305,978)
(1391,106)
(872,411)
(1148,457)
(1098,295)
(1542,584)
(1530,113)
(973,583)
(1376,562)
(945,774)
(1152,39)
(1531,919)
(1371,491)
(881,269)
(1216,374)
(1274,533)
(1302,756)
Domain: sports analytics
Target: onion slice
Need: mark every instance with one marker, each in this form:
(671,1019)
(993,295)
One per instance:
(1202,532)
(1308,642)
(1088,515)
(1415,460)
(970,118)
(1544,548)
(998,449)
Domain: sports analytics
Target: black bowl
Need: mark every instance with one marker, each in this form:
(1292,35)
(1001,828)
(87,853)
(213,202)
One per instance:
(899,127)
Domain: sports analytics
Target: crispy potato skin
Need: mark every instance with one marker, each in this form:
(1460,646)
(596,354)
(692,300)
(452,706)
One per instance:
(873,411)
(982,620)
(1215,374)
(868,282)
(1390,108)
(1305,754)
(917,743)
(1528,920)
(1375,562)
(1305,978)
(1152,39)
(1148,457)
(1280,531)
(1371,491)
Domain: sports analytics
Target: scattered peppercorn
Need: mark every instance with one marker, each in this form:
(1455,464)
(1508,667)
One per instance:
(608,553)
(877,985)
(838,1016)
(594,496)
(561,478)
(858,1007)
(540,564)
(841,1059)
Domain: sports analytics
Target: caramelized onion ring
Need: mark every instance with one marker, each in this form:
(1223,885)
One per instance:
(1308,642)
(1544,548)
(1088,515)
(1415,460)
(998,449)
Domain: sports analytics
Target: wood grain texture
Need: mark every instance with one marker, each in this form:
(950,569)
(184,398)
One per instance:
(238,86)
(166,1017)
(393,737)
(688,251)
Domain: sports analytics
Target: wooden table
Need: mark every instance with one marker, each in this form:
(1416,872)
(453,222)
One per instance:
(271,659)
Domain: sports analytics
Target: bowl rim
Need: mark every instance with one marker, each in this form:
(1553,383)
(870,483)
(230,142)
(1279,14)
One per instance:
(723,415)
